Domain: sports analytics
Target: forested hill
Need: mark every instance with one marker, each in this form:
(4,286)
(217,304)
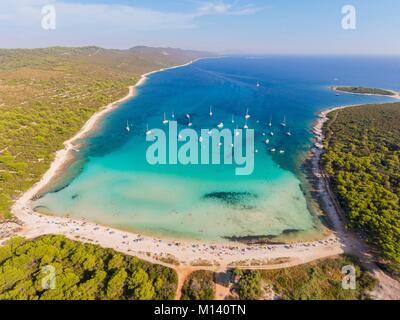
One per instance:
(46,95)
(363,159)
(81,272)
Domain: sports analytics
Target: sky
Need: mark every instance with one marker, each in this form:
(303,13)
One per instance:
(226,26)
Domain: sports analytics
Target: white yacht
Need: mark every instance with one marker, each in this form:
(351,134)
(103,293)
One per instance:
(284,121)
(190,122)
(148,132)
(165,121)
(247,116)
(237,132)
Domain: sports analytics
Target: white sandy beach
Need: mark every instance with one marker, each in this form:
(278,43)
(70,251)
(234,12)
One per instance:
(151,248)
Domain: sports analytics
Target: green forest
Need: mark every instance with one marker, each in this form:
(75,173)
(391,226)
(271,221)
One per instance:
(82,272)
(46,95)
(363,161)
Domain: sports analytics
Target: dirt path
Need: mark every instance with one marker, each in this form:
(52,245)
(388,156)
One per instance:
(184,273)
(221,292)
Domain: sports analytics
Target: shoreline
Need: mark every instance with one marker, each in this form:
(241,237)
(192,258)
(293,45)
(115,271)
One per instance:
(63,156)
(182,252)
(169,252)
(179,254)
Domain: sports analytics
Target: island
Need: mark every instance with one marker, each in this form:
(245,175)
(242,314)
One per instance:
(365,91)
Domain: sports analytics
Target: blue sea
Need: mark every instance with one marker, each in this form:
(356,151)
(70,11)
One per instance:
(111,183)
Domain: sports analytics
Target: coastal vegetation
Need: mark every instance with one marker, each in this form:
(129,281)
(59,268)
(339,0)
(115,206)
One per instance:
(364,90)
(319,280)
(82,272)
(363,161)
(249,284)
(199,285)
(46,95)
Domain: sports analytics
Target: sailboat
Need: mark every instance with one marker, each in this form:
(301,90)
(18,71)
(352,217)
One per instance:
(270,122)
(271,133)
(281,151)
(233,119)
(148,132)
(273,150)
(165,121)
(245,125)
(173,115)
(284,121)
(127,126)
(289,133)
(211,113)
(220,125)
(258,84)
(189,123)
(267,141)
(237,132)
(247,116)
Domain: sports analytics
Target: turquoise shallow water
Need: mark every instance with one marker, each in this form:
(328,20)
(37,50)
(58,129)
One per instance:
(116,186)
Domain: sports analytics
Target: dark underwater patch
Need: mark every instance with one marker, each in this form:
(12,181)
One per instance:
(262,239)
(240,200)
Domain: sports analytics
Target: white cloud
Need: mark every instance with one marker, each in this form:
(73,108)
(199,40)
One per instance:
(72,15)
(220,7)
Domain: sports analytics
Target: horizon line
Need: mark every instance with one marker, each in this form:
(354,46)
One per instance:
(222,53)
